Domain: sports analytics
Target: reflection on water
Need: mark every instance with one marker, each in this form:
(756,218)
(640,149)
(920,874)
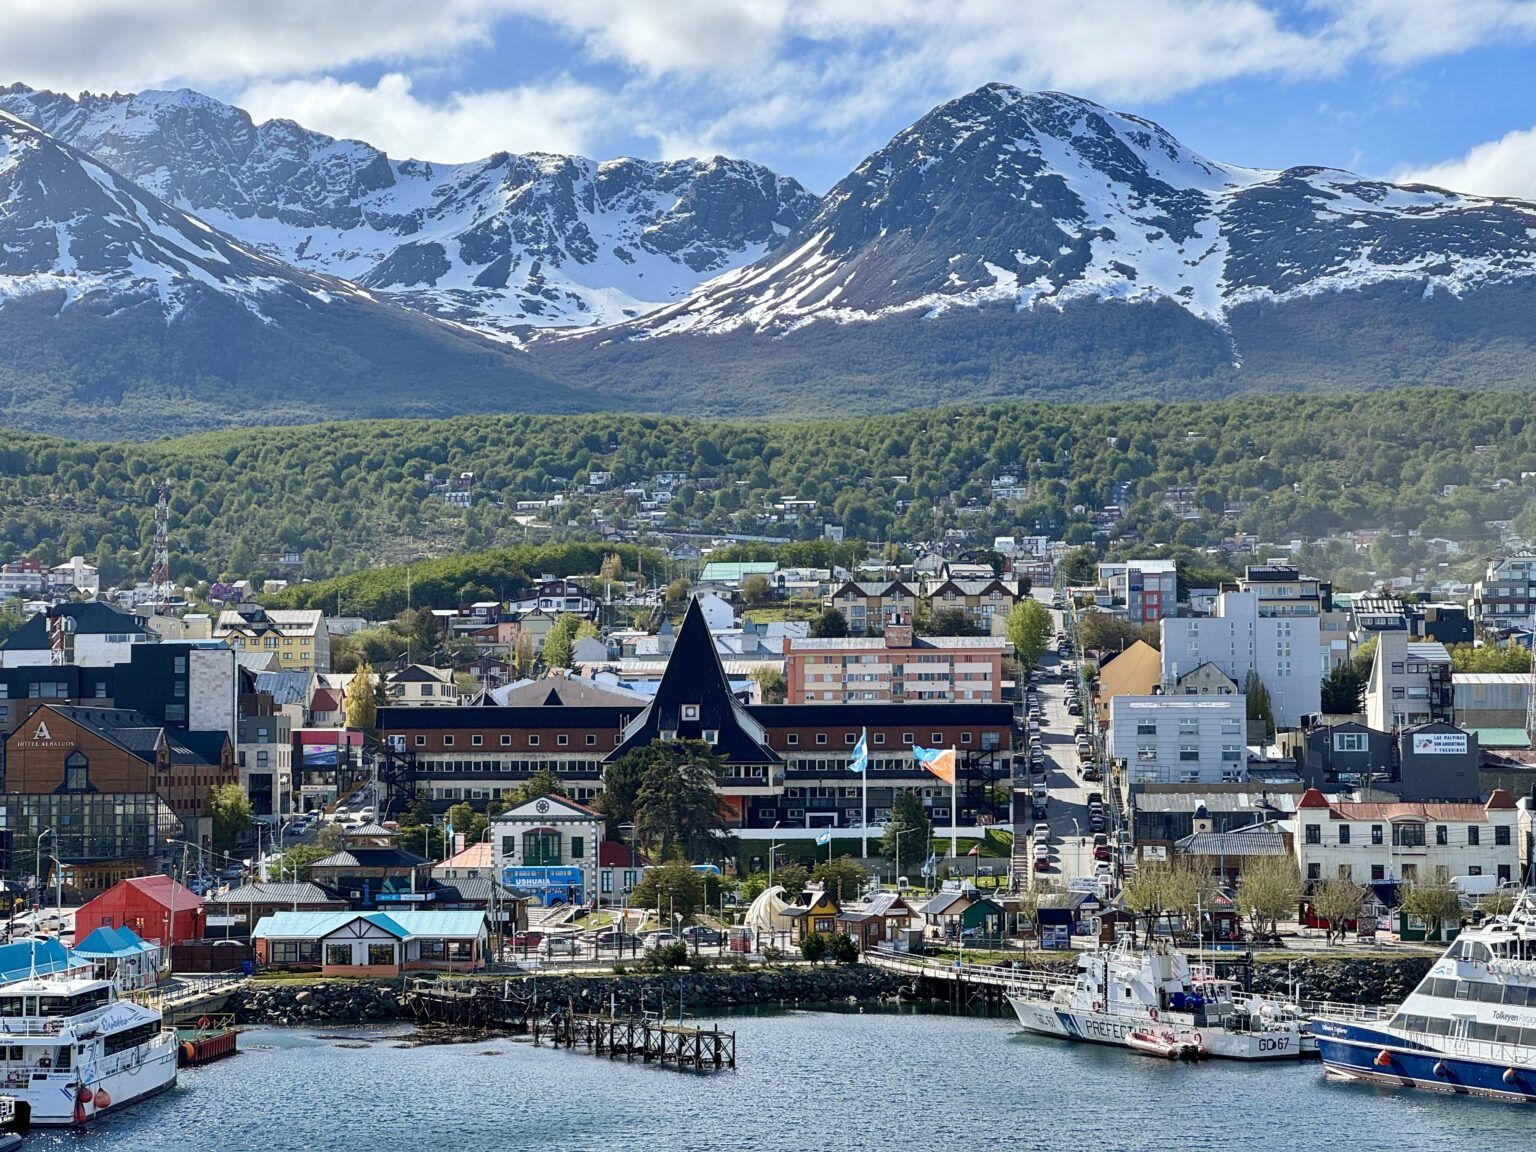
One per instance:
(894,1081)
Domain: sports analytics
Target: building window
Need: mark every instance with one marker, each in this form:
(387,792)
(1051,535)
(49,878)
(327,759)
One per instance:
(821,738)
(792,739)
(1349,741)
(561,740)
(77,773)
(508,847)
(541,848)
(533,740)
(938,738)
(1378,871)
(447,741)
(421,741)
(506,740)
(1501,834)
(591,740)
(711,735)
(1314,833)
(381,955)
(878,738)
(477,740)
(1146,727)
(1442,834)
(1474,835)
(1375,833)
(1343,833)
(1189,752)
(1314,871)
(338,955)
(906,738)
(578,843)
(1408,835)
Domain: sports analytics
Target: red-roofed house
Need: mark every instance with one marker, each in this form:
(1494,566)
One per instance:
(156,907)
(1370,842)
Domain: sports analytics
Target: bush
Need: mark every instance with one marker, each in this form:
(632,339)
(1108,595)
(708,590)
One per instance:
(673,955)
(843,948)
(814,947)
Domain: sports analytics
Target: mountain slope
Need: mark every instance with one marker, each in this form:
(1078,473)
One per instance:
(120,314)
(499,245)
(1036,200)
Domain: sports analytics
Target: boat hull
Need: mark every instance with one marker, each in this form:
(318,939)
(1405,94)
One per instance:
(1050,1019)
(52,1098)
(1351,1051)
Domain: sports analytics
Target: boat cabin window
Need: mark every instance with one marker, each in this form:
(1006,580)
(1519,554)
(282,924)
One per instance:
(131,1037)
(55,1005)
(1475,950)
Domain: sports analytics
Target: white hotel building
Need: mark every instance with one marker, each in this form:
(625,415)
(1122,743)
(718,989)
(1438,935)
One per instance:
(1180,739)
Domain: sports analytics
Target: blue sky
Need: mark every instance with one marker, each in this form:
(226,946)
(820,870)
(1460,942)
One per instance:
(1435,89)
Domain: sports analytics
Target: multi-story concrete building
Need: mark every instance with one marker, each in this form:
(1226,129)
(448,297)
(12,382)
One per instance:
(90,633)
(1284,651)
(1149,589)
(1179,739)
(1407,842)
(897,667)
(982,601)
(869,605)
(264,758)
(1284,591)
(1506,595)
(1410,683)
(297,637)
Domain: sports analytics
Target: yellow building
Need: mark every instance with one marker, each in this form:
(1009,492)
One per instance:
(297,637)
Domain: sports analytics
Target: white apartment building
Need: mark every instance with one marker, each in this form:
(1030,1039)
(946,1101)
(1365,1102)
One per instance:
(75,575)
(1506,595)
(1180,739)
(1285,652)
(1407,842)
(1410,683)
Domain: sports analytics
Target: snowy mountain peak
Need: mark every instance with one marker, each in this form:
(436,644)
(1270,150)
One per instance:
(501,244)
(1041,199)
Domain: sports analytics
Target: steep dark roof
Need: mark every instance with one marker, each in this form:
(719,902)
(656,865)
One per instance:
(91,617)
(694,678)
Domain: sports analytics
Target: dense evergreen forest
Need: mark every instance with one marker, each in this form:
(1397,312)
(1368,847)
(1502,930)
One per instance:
(347,496)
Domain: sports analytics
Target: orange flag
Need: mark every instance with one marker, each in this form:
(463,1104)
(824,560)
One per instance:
(939,761)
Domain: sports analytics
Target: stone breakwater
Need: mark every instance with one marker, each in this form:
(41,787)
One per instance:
(371,1001)
(1348,980)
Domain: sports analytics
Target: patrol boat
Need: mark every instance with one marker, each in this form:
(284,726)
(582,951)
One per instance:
(70,1049)
(1469,1027)
(1123,996)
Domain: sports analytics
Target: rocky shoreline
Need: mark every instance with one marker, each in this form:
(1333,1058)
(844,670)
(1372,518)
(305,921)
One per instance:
(1362,980)
(376,1001)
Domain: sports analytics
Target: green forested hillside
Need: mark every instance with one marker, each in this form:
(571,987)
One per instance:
(351,495)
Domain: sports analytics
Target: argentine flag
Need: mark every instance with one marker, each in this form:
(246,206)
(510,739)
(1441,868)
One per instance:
(824,838)
(860,759)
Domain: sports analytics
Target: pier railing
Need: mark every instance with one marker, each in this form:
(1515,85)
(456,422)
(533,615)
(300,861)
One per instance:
(995,975)
(1364,1013)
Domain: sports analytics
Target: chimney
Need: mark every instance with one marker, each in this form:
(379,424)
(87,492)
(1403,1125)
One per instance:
(897,633)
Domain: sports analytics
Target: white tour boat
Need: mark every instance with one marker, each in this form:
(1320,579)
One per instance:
(1170,1008)
(72,1049)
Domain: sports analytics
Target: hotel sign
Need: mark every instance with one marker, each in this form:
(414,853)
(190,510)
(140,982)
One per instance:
(43,738)
(1440,743)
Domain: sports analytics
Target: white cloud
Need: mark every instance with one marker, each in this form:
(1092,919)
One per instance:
(559,116)
(1502,167)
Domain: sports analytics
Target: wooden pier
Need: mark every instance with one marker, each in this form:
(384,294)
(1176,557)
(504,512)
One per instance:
(650,1041)
(506,1007)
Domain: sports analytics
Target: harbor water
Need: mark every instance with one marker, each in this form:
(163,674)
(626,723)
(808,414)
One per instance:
(894,1081)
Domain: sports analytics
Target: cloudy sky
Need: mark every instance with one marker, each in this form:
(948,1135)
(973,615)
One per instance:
(1431,89)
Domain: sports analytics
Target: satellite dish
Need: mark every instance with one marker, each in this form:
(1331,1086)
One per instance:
(67,625)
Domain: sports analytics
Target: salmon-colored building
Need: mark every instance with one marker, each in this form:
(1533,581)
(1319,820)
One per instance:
(157,908)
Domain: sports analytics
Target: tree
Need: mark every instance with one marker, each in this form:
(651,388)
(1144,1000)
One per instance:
(678,805)
(1029,630)
(522,654)
(844,877)
(231,811)
(294,863)
(1335,901)
(830,625)
(909,831)
(792,877)
(1434,902)
(670,887)
(1145,893)
(1269,888)
(1259,705)
(1488,658)
(756,590)
(774,687)
(950,622)
(752,887)
(1100,632)
(544,782)
(1079,566)
(362,702)
(466,822)
(1341,690)
(560,640)
(621,789)
(677,591)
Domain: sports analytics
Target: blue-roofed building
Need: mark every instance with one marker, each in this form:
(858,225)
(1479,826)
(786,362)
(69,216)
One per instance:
(120,954)
(372,943)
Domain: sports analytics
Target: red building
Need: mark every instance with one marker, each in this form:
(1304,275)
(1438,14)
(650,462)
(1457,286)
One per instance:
(156,907)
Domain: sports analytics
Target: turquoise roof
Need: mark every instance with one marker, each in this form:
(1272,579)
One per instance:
(401,925)
(738,570)
(40,956)
(111,943)
(1502,737)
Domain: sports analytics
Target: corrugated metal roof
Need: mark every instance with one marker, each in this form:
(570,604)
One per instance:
(1502,737)
(455,925)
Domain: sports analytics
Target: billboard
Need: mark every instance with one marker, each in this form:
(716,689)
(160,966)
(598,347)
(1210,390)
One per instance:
(1440,743)
(546,885)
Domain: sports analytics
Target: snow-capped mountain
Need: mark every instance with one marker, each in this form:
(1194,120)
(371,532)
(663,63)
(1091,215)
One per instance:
(1040,200)
(114,305)
(499,245)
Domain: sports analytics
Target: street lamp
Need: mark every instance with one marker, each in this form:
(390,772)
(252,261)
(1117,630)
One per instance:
(773,844)
(58,870)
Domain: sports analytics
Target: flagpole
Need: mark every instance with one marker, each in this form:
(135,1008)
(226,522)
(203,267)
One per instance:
(954,804)
(864,811)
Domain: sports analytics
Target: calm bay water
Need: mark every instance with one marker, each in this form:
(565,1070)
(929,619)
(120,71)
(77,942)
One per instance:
(894,1081)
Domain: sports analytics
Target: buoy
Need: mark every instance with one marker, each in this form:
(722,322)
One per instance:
(189,1052)
(1510,1076)
(1152,1013)
(82,1096)
(203,1023)
(1383,1058)
(102,1099)
(1439,1068)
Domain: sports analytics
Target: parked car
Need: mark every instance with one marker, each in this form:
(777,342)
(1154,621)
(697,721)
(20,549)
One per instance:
(1091,774)
(526,939)
(616,939)
(560,946)
(653,940)
(1042,831)
(703,937)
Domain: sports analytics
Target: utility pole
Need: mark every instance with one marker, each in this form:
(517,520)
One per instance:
(160,574)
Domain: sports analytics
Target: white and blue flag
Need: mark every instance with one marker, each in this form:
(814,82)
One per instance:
(824,838)
(860,759)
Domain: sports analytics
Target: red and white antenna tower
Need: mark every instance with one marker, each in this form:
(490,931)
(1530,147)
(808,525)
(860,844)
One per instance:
(160,575)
